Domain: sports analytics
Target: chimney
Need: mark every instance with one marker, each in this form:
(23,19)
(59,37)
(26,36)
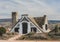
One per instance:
(46,19)
(44,16)
(14,18)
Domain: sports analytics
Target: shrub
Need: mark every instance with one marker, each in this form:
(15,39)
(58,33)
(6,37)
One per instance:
(2,30)
(31,33)
(56,29)
(31,36)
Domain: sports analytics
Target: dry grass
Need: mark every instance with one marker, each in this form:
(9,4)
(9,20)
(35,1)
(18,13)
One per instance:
(32,36)
(7,36)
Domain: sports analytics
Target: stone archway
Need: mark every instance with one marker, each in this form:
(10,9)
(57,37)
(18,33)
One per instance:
(24,27)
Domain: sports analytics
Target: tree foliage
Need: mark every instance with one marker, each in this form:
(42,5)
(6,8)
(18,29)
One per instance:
(2,30)
(56,29)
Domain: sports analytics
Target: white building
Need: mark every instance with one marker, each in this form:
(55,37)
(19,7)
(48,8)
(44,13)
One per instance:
(28,24)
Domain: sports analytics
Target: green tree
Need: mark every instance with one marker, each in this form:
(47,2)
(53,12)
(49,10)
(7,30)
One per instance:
(56,29)
(2,30)
(59,28)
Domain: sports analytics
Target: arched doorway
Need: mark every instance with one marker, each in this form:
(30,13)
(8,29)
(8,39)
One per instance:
(24,27)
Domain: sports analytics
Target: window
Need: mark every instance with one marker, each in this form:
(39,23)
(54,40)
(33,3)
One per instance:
(33,29)
(46,26)
(16,29)
(25,28)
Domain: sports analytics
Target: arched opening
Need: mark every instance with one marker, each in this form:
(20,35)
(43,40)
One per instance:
(46,26)
(24,28)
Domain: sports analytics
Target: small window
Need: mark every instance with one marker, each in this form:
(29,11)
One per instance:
(33,29)
(46,26)
(16,29)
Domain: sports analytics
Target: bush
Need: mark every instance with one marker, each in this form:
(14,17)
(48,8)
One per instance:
(2,30)
(32,36)
(31,33)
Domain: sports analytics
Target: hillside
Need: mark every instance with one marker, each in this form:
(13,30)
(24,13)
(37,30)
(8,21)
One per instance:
(10,20)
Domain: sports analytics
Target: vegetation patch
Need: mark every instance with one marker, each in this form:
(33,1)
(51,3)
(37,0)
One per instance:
(32,36)
(2,31)
(6,36)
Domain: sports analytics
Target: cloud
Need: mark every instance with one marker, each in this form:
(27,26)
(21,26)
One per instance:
(31,7)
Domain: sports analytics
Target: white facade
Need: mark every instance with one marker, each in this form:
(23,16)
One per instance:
(25,25)
(44,26)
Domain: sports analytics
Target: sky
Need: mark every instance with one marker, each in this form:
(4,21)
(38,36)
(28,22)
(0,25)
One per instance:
(36,8)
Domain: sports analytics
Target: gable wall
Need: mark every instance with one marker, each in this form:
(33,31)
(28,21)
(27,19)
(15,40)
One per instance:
(30,24)
(44,26)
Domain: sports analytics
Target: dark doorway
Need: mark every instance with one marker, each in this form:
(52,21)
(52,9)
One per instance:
(24,28)
(33,29)
(16,29)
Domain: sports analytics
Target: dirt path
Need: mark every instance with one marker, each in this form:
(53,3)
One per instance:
(15,37)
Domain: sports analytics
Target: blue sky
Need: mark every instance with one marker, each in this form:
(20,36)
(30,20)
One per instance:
(32,7)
